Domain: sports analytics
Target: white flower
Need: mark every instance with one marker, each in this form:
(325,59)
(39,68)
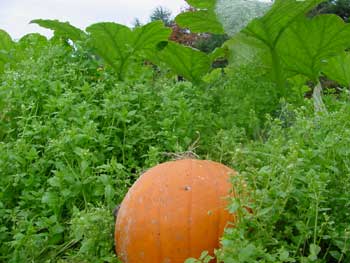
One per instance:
(236,14)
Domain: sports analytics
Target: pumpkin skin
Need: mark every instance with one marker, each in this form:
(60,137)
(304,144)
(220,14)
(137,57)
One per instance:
(174,211)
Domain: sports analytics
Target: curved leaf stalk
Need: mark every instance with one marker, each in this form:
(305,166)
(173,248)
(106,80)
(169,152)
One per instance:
(318,101)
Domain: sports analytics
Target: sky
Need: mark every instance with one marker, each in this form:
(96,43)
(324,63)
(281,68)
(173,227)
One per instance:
(15,15)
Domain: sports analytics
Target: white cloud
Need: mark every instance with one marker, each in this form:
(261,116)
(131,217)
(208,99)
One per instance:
(16,14)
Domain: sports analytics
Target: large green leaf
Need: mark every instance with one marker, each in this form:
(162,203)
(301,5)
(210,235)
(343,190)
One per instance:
(149,35)
(308,42)
(269,28)
(338,69)
(187,62)
(61,29)
(118,45)
(111,42)
(200,21)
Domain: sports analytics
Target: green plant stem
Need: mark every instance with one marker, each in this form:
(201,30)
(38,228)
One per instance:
(277,73)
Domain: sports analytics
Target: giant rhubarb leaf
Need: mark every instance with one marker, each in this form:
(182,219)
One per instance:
(61,29)
(118,45)
(308,42)
(187,62)
(338,69)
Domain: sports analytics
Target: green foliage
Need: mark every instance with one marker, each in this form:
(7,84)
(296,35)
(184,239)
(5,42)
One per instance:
(6,44)
(285,43)
(200,21)
(244,97)
(338,69)
(73,139)
(74,134)
(202,4)
(33,40)
(210,43)
(61,29)
(185,61)
(204,258)
(307,43)
(93,229)
(269,28)
(298,181)
(245,50)
(119,46)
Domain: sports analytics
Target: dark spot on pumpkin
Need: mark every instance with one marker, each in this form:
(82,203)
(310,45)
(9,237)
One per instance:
(187,188)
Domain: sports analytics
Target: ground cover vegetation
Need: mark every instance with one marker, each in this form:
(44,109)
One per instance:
(84,113)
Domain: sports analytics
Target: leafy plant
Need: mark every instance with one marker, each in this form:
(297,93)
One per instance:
(61,29)
(187,62)
(119,46)
(294,43)
(6,44)
(307,43)
(300,209)
(204,258)
(338,69)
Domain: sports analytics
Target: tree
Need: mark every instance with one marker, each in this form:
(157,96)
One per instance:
(136,23)
(163,14)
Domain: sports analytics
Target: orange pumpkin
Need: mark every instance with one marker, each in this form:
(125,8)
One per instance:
(174,211)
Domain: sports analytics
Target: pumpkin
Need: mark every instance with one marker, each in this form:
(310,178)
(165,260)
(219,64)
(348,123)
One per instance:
(174,211)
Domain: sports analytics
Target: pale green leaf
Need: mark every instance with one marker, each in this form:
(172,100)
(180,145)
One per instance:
(61,29)
(245,50)
(314,251)
(185,61)
(308,42)
(338,69)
